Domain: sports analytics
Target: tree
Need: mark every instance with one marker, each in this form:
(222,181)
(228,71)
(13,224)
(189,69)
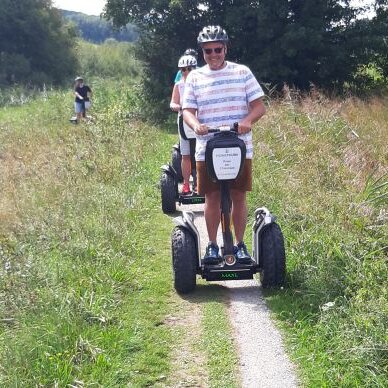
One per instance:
(35,46)
(302,41)
(166,29)
(379,26)
(297,42)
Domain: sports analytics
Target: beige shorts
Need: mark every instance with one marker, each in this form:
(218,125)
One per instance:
(206,185)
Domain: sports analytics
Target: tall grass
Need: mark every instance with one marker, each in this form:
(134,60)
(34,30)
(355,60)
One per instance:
(76,251)
(85,275)
(322,168)
(111,59)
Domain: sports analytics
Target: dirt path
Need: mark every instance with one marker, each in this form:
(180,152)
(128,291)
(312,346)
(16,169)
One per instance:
(263,361)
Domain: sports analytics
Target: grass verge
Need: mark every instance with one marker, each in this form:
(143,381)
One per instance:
(85,271)
(85,249)
(86,278)
(323,171)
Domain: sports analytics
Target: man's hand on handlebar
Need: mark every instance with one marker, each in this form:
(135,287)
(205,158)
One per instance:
(201,129)
(244,127)
(175,107)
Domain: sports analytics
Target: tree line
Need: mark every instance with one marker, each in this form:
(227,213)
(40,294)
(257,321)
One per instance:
(97,30)
(296,42)
(39,44)
(36,47)
(293,42)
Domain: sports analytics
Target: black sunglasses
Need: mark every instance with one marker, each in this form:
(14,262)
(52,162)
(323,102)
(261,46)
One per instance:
(186,68)
(217,50)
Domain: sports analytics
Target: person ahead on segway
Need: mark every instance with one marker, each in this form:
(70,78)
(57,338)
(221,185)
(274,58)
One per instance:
(192,52)
(186,63)
(217,94)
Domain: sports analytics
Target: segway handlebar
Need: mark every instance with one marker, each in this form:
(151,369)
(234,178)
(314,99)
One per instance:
(224,128)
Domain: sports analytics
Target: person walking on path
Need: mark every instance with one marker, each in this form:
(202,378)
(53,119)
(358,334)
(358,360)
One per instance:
(222,93)
(82,95)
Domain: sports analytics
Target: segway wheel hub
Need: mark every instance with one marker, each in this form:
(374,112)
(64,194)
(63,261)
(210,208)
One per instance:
(230,259)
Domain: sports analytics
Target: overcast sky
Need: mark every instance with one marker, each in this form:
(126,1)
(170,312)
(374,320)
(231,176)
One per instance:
(94,7)
(89,7)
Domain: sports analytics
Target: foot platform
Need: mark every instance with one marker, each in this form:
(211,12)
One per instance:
(226,272)
(191,199)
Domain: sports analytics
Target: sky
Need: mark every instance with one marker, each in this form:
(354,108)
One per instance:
(89,7)
(94,7)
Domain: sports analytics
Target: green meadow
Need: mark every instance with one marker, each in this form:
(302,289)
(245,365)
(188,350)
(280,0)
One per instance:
(85,281)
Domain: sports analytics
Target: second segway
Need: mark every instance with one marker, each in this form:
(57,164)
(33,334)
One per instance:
(172,175)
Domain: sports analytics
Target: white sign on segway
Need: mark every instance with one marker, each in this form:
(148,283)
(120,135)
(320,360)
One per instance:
(226,162)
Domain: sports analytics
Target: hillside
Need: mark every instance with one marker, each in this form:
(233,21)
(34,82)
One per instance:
(97,30)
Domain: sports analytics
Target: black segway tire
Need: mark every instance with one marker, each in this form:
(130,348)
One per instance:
(176,161)
(273,257)
(168,193)
(184,260)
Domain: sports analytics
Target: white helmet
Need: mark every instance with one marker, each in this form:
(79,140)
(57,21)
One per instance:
(212,34)
(187,61)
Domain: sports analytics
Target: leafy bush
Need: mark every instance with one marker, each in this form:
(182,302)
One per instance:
(35,45)
(111,59)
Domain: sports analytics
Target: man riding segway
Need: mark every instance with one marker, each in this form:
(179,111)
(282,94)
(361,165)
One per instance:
(221,102)
(218,94)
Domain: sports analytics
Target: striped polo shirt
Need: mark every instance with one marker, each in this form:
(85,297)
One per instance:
(221,97)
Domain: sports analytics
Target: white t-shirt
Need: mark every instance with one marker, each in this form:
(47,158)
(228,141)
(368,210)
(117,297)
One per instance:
(221,97)
(190,134)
